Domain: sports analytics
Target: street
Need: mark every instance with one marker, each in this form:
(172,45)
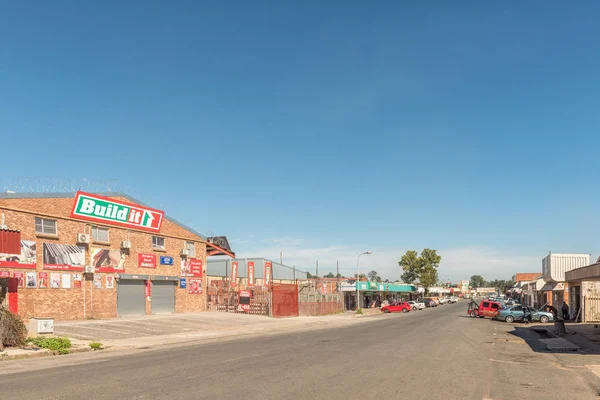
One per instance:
(429,354)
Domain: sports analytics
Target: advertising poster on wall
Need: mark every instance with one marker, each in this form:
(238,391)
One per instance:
(43,280)
(234,274)
(97,281)
(66,281)
(31,280)
(25,260)
(146,260)
(105,260)
(194,286)
(268,272)
(76,281)
(4,274)
(191,267)
(63,257)
(55,280)
(250,273)
(110,281)
(21,277)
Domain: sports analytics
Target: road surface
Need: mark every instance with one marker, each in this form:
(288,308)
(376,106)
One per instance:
(429,354)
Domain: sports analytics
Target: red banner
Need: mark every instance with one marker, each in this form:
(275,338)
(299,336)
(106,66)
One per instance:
(16,264)
(148,288)
(4,274)
(244,300)
(195,267)
(146,260)
(268,272)
(234,274)
(250,273)
(194,286)
(21,277)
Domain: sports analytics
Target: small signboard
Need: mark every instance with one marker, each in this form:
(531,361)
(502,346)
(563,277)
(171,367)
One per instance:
(182,283)
(166,260)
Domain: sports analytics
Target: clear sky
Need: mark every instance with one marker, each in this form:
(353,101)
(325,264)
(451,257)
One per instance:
(322,129)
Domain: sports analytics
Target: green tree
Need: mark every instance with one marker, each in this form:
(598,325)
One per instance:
(329,275)
(374,276)
(411,265)
(477,281)
(362,276)
(309,275)
(422,268)
(339,275)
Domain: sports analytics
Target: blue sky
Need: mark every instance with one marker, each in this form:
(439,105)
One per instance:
(322,130)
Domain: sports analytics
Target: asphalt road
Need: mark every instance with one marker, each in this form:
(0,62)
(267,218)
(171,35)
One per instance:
(429,354)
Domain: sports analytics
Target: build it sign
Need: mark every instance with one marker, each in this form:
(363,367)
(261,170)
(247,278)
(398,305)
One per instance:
(93,208)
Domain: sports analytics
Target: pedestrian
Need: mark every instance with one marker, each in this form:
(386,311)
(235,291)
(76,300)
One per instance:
(526,315)
(565,311)
(553,310)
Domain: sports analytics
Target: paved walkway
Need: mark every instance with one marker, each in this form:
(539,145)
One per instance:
(153,330)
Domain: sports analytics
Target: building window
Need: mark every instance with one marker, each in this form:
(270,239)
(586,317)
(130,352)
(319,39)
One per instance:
(45,226)
(158,243)
(99,234)
(191,249)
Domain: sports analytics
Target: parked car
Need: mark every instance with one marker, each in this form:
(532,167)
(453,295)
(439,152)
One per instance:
(397,307)
(452,299)
(484,309)
(443,300)
(517,313)
(416,305)
(429,302)
(437,300)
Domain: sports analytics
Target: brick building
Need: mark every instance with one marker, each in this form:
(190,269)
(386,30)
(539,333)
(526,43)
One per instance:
(100,256)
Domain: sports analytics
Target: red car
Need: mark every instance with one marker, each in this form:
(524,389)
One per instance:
(398,307)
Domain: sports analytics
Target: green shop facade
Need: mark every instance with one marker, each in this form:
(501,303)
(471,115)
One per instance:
(372,294)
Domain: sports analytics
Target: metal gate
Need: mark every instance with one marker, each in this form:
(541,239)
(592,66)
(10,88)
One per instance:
(163,297)
(223,298)
(285,300)
(131,297)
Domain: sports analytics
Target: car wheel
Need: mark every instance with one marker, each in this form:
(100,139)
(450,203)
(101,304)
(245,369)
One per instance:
(473,314)
(414,308)
(385,310)
(543,319)
(405,310)
(510,319)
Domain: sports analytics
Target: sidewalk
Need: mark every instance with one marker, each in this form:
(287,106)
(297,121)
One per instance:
(157,330)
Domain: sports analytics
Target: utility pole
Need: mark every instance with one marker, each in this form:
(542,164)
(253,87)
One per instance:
(281,257)
(317,268)
(337,275)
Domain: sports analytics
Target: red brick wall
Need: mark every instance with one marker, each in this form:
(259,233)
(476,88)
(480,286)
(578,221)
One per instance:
(64,304)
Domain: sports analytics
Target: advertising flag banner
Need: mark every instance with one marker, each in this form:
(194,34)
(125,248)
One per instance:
(250,273)
(94,208)
(268,272)
(234,274)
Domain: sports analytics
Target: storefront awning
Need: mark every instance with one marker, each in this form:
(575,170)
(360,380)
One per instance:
(385,287)
(548,286)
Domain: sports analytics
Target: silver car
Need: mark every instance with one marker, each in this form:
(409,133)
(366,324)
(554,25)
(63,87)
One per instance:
(416,305)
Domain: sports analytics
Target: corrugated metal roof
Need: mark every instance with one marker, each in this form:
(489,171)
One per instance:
(66,195)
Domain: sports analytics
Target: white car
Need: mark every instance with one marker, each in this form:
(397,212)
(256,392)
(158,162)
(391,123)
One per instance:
(452,299)
(416,305)
(444,300)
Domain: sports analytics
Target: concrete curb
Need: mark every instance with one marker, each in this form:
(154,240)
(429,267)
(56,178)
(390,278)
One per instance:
(42,353)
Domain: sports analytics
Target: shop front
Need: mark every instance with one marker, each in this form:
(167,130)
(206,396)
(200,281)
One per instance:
(372,294)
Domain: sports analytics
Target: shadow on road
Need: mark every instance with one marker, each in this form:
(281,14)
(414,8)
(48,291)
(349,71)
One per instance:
(534,334)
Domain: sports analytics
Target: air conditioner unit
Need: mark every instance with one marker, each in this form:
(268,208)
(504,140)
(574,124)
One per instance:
(83,238)
(88,269)
(185,252)
(125,244)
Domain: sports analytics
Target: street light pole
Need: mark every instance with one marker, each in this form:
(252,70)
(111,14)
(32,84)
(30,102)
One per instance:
(358,278)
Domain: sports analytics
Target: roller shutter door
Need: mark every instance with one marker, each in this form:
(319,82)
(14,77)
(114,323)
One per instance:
(131,297)
(163,297)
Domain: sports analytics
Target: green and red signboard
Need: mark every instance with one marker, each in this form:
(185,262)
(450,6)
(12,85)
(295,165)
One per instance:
(94,208)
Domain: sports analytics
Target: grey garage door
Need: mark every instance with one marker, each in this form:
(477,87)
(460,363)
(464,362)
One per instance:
(131,297)
(163,297)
